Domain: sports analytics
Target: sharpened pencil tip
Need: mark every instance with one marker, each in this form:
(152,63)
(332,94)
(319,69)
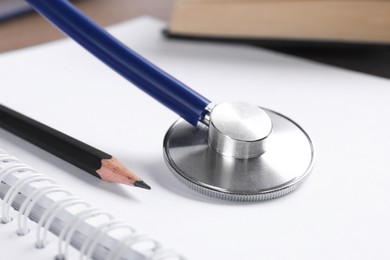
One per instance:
(142,184)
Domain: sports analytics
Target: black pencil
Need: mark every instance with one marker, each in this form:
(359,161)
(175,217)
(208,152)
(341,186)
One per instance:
(81,155)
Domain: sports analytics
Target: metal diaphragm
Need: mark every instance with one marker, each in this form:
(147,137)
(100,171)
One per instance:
(286,161)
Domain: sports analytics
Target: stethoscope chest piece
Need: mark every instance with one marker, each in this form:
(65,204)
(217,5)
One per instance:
(237,152)
(246,153)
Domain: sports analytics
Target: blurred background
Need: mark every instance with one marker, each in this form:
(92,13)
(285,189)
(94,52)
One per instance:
(350,34)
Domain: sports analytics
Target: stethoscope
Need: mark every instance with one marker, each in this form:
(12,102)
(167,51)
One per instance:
(234,150)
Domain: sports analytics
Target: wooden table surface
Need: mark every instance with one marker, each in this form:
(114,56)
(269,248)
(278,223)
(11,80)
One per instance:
(31,29)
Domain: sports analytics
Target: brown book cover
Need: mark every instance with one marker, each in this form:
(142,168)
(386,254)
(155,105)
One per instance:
(284,22)
(349,34)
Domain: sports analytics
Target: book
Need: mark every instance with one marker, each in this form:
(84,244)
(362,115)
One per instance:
(340,212)
(288,22)
(10,8)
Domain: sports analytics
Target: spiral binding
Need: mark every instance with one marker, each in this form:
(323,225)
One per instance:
(39,186)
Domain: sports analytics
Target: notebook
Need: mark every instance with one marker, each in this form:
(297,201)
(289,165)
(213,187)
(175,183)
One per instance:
(341,211)
(37,197)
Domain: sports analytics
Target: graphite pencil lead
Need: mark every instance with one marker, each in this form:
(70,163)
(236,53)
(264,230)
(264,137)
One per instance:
(113,170)
(142,184)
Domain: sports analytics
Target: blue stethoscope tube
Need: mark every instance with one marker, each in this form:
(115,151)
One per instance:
(172,93)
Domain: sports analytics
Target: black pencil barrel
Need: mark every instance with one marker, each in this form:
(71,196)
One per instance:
(63,146)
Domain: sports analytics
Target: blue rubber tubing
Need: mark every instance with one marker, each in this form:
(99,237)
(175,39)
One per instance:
(172,93)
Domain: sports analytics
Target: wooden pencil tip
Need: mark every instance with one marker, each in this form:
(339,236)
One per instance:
(142,184)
